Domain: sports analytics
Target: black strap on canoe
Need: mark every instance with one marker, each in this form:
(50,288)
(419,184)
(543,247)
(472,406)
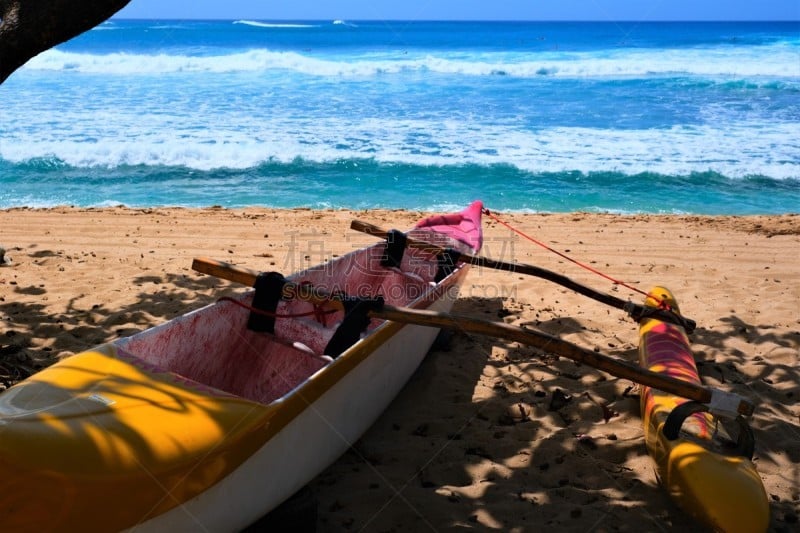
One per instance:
(446,263)
(745,443)
(269,288)
(356,320)
(639,312)
(395,248)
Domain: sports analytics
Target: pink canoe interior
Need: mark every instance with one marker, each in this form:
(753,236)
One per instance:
(214,347)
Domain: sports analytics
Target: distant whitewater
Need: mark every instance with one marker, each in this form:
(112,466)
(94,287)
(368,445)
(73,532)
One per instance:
(258,24)
(659,117)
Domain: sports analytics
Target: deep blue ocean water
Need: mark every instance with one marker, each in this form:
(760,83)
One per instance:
(528,116)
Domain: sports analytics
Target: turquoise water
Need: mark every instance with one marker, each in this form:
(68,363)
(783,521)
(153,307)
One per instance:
(620,117)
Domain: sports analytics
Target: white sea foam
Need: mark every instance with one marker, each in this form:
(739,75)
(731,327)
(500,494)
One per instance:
(259,24)
(735,150)
(768,61)
(107,25)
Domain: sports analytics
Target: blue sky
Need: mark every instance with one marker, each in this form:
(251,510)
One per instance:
(641,10)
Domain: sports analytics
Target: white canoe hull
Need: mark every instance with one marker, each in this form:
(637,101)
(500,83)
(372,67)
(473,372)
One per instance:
(315,438)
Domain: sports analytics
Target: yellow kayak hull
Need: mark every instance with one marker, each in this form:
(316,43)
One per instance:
(722,491)
(152,438)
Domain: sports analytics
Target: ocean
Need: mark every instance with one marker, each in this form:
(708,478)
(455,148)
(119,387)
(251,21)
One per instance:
(698,118)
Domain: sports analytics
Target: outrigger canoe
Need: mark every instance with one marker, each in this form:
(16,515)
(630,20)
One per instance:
(719,486)
(212,419)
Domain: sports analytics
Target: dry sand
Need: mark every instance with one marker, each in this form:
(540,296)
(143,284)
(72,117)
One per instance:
(471,442)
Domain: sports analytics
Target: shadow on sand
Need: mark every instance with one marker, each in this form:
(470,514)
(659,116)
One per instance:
(545,454)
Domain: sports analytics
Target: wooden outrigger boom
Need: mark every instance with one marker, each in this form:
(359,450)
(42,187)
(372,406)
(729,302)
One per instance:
(543,341)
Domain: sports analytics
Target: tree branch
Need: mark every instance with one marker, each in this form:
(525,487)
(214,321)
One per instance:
(29,27)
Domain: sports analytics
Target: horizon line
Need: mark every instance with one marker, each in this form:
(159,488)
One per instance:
(797,21)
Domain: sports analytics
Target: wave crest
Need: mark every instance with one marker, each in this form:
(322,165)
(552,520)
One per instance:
(780,63)
(674,151)
(258,24)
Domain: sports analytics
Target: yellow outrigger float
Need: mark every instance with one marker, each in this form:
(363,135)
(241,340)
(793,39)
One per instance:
(718,487)
(721,489)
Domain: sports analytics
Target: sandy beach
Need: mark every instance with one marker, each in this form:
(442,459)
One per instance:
(473,442)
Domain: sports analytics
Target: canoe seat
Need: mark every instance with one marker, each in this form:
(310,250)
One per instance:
(306,332)
(397,286)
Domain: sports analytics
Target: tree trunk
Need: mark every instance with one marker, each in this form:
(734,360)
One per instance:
(29,27)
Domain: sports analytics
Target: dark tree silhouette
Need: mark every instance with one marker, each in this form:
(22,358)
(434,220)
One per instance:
(29,27)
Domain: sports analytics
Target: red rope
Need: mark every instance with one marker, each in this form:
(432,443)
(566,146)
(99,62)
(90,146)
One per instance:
(317,312)
(491,215)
